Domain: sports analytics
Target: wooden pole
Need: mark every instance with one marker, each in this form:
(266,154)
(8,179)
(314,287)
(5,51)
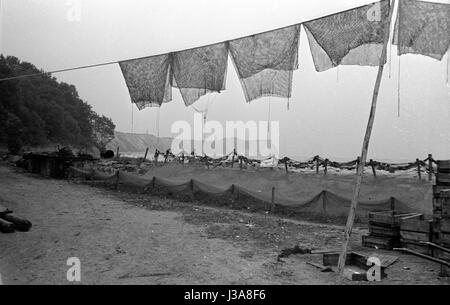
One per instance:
(117,153)
(272,208)
(430,167)
(372,164)
(326,166)
(419,173)
(317,164)
(286,166)
(365,147)
(145,156)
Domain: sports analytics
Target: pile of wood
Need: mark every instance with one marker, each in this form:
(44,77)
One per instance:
(384,229)
(416,234)
(441,212)
(10,223)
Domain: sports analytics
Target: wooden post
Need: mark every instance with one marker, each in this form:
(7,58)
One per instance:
(286,166)
(232,161)
(365,147)
(117,153)
(419,172)
(145,156)
(372,164)
(272,208)
(430,167)
(358,161)
(317,164)
(117,180)
(392,201)
(240,162)
(325,166)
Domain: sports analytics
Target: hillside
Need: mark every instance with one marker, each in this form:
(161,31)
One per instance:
(138,143)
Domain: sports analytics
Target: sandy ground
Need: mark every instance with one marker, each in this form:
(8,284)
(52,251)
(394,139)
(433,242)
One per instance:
(135,239)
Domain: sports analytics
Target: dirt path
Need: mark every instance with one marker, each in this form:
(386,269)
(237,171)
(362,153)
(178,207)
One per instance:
(168,242)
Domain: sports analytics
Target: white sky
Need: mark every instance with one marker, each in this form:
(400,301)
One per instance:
(328,110)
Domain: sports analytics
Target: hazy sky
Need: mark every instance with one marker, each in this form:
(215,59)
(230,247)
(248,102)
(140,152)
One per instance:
(328,110)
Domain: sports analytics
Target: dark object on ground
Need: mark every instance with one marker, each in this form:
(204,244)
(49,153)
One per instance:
(66,152)
(295,250)
(55,164)
(107,154)
(321,267)
(6,226)
(20,224)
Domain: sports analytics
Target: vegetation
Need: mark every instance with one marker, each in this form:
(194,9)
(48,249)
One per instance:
(36,111)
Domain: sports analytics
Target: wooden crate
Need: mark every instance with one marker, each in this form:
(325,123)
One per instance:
(437,189)
(388,219)
(378,242)
(443,179)
(383,231)
(443,166)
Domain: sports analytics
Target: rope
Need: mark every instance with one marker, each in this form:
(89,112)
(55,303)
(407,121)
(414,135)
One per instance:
(132,117)
(142,57)
(398,86)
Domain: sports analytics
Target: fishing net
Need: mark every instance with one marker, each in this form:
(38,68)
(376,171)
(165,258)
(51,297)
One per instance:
(422,28)
(200,71)
(148,80)
(265,62)
(353,37)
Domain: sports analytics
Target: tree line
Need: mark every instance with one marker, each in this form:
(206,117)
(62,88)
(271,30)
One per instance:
(39,110)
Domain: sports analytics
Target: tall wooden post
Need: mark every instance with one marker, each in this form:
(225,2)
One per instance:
(365,147)
(145,156)
(372,164)
(317,164)
(272,208)
(419,172)
(430,167)
(325,166)
(286,166)
(117,153)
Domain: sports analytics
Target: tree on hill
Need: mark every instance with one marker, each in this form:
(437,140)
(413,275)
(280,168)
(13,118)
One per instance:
(103,131)
(39,110)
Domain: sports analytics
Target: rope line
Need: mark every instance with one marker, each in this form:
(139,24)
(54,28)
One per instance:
(193,48)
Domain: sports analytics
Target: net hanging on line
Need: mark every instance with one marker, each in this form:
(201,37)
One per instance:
(265,62)
(148,80)
(422,28)
(353,37)
(200,71)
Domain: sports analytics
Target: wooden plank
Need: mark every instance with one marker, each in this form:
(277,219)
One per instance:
(443,179)
(414,246)
(441,254)
(383,232)
(430,258)
(443,166)
(379,242)
(415,236)
(416,225)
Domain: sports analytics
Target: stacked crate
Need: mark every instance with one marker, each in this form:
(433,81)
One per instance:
(384,229)
(415,232)
(441,211)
